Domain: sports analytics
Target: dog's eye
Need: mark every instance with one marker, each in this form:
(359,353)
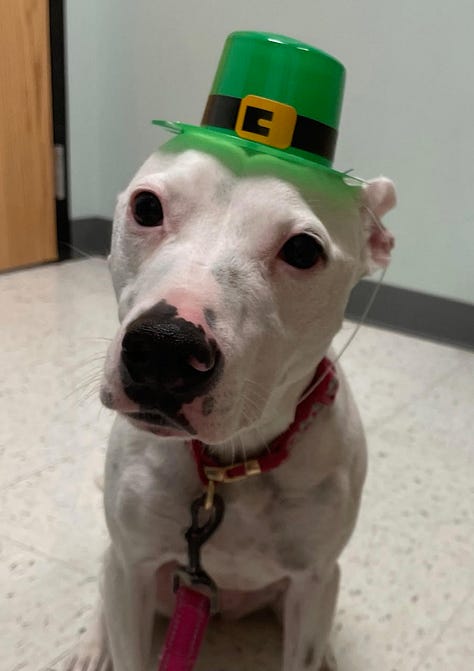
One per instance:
(147,210)
(302,251)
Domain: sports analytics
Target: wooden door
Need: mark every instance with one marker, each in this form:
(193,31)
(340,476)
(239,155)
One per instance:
(27,202)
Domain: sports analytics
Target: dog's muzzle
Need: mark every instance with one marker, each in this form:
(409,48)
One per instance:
(167,361)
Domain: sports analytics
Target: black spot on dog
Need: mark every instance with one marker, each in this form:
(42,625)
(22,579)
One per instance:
(208,405)
(309,657)
(228,275)
(223,190)
(107,398)
(210,317)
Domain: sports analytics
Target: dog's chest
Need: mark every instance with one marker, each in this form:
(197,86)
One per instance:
(244,552)
(243,557)
(270,530)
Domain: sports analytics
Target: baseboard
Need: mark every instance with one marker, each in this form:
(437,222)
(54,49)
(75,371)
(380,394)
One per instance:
(418,314)
(90,235)
(415,313)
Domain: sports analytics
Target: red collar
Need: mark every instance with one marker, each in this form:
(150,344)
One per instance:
(324,393)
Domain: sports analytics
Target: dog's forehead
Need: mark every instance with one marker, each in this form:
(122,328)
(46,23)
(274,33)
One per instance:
(252,190)
(197,174)
(200,177)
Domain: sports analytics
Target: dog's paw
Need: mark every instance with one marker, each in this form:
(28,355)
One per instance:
(329,662)
(89,656)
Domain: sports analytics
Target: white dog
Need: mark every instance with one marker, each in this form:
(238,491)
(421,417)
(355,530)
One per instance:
(231,284)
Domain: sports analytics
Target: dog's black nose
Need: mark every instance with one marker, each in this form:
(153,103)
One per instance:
(166,358)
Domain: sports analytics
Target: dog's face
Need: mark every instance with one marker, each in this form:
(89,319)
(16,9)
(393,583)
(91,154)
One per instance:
(230,287)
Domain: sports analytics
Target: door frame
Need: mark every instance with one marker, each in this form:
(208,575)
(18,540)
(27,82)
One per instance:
(60,134)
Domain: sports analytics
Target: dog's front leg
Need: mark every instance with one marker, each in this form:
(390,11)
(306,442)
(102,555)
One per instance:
(129,607)
(308,611)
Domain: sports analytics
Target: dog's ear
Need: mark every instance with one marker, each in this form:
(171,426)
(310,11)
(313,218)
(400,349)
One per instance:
(378,197)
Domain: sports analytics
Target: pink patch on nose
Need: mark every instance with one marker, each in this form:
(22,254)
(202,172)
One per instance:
(190,307)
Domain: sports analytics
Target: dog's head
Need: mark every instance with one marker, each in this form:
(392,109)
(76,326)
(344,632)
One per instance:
(231,284)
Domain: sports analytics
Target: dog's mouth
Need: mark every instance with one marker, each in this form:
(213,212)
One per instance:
(160,424)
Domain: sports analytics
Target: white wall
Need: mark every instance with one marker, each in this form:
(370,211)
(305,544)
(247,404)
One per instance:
(408,110)
(82,40)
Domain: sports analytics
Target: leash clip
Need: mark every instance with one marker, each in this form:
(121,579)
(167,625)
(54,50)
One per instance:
(193,575)
(234,472)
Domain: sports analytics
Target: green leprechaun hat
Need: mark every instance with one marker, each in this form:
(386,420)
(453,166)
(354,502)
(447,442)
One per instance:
(275,95)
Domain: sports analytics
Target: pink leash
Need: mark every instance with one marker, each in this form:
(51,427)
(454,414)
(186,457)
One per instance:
(196,593)
(186,630)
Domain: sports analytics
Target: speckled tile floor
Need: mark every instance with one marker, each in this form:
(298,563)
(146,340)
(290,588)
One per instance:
(407,597)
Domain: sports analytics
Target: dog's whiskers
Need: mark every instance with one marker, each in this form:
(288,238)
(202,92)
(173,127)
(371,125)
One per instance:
(94,358)
(258,400)
(84,385)
(86,370)
(257,387)
(91,391)
(253,405)
(89,371)
(242,447)
(87,387)
(263,442)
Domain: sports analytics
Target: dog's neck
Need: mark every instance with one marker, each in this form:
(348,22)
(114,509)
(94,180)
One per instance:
(277,417)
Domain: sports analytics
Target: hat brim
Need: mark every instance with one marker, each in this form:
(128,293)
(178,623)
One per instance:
(177,127)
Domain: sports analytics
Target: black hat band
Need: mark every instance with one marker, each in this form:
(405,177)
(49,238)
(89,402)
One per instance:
(306,134)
